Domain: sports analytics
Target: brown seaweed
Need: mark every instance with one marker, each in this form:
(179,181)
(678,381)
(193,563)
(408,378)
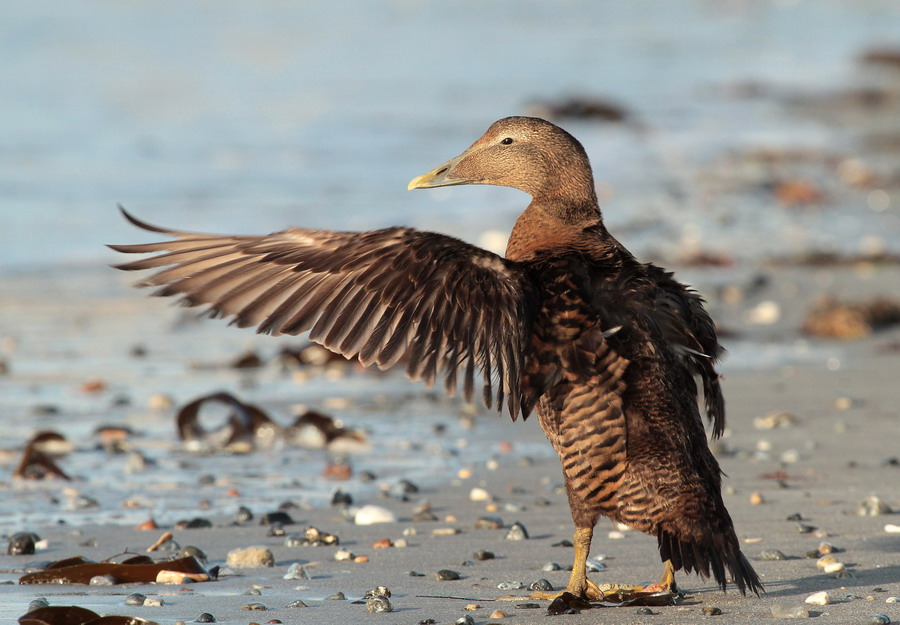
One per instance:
(134,570)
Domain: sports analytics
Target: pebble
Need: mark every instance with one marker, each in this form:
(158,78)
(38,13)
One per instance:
(103,580)
(371,514)
(892,600)
(401,543)
(384,543)
(510,585)
(206,617)
(834,567)
(541,585)
(152,602)
(243,515)
(826,548)
(878,619)
(465,620)
(39,603)
(313,537)
(340,498)
(756,498)
(446,575)
(296,571)
(890,528)
(296,604)
(803,528)
(338,596)
(772,554)
(824,561)
(295,540)
(342,555)
(820,598)
(615,535)
(489,523)
(379,604)
(551,566)
(872,506)
(193,524)
(712,611)
(250,557)
(279,517)
(482,555)
(645,611)
(479,494)
(471,607)
(789,610)
(254,606)
(21,544)
(775,420)
(445,531)
(498,614)
(195,552)
(517,532)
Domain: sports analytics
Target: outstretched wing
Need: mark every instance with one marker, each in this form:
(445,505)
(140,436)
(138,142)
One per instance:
(441,305)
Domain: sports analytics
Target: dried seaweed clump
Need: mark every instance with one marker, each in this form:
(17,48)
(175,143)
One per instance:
(832,318)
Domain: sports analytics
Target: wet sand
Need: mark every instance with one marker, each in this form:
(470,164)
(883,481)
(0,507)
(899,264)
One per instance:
(840,450)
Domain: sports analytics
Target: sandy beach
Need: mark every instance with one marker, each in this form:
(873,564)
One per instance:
(836,449)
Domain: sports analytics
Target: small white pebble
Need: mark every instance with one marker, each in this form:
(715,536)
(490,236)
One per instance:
(892,600)
(615,535)
(764,313)
(820,598)
(479,494)
(492,465)
(370,515)
(890,528)
(834,567)
(153,602)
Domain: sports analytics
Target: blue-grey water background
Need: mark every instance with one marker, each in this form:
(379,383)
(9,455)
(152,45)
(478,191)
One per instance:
(247,118)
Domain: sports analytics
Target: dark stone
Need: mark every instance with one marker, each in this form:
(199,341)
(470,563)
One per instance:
(481,554)
(541,585)
(206,617)
(341,498)
(243,515)
(22,544)
(296,604)
(446,575)
(193,524)
(278,517)
(563,543)
(567,603)
(712,611)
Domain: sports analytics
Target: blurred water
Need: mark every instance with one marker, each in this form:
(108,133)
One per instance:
(232,117)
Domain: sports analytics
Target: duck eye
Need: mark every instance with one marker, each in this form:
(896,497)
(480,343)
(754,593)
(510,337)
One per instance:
(507,141)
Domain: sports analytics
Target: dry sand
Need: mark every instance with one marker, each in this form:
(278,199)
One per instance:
(836,454)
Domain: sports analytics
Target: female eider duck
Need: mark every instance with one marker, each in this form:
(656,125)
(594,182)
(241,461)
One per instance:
(605,347)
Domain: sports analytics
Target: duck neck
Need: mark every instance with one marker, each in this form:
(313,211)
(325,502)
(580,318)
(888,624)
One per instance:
(551,223)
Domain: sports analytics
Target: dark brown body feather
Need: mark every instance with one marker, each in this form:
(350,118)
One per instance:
(607,348)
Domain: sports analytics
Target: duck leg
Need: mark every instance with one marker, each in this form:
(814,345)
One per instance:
(579,585)
(667,582)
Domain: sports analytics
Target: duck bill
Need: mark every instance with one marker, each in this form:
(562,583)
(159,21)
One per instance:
(442,176)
